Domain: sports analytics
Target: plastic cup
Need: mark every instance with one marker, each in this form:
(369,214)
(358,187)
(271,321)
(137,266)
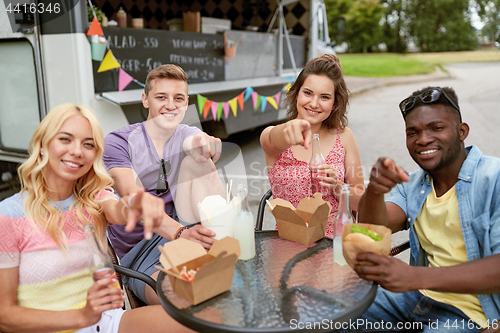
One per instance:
(98,50)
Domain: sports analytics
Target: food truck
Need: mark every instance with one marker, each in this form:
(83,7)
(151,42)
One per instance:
(246,50)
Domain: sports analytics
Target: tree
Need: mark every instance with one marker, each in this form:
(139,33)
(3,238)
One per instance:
(394,26)
(335,11)
(441,25)
(362,22)
(489,11)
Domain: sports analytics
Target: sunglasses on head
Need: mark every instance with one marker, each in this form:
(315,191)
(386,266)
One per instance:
(162,184)
(427,97)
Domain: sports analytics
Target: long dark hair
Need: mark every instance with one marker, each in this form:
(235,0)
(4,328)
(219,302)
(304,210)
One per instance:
(329,66)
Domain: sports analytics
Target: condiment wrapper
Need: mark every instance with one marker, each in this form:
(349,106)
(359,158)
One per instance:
(352,249)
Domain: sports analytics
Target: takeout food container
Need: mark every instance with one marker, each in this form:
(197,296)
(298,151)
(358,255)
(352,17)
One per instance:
(291,221)
(216,267)
(352,249)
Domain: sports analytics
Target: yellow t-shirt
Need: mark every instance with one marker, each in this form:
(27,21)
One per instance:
(440,233)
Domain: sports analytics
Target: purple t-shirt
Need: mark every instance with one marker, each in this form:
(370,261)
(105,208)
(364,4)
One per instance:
(131,147)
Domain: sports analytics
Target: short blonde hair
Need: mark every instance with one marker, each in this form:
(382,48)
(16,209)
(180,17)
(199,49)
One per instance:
(33,181)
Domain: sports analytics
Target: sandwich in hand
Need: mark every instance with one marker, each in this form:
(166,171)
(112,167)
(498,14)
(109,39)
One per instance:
(360,235)
(363,238)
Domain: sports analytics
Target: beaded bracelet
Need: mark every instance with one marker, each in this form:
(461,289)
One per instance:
(179,231)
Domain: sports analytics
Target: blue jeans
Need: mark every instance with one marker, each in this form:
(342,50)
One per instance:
(413,312)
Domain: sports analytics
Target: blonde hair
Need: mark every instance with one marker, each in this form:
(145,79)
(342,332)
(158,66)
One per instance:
(34,183)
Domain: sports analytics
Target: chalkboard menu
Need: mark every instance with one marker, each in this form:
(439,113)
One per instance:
(140,50)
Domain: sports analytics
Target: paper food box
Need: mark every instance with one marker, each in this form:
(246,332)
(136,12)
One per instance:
(351,249)
(305,224)
(215,269)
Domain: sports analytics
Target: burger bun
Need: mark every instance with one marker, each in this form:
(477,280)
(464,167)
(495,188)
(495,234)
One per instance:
(358,238)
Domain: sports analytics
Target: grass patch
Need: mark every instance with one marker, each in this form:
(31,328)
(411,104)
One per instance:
(391,64)
(382,65)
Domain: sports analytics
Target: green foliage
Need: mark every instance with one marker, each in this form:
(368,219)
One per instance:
(489,11)
(394,29)
(434,25)
(362,22)
(336,9)
(441,25)
(98,13)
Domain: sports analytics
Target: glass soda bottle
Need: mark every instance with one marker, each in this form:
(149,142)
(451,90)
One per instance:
(317,159)
(100,264)
(243,226)
(343,217)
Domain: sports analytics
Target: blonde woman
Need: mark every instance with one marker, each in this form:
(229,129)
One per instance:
(46,283)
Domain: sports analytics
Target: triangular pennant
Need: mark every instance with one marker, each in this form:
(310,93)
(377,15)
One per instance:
(95,28)
(240,101)
(256,100)
(272,101)
(109,62)
(124,79)
(225,107)
(206,107)
(219,111)
(233,103)
(263,103)
(248,93)
(277,98)
(288,86)
(214,107)
(201,102)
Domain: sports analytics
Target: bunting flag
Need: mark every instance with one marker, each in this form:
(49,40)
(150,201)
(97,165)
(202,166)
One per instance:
(207,106)
(288,86)
(95,28)
(263,103)
(234,106)
(225,107)
(124,79)
(201,102)
(272,101)
(214,108)
(248,93)
(256,100)
(219,111)
(241,101)
(277,98)
(109,62)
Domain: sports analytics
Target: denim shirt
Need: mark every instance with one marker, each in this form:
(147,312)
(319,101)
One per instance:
(478,194)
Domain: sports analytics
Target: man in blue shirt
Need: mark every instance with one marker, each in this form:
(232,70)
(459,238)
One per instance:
(452,208)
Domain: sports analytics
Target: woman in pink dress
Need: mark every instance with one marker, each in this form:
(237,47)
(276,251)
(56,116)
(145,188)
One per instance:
(317,103)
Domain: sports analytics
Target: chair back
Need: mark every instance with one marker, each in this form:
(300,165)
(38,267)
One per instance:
(261,210)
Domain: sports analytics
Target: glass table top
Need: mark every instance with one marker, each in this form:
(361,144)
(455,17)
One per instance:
(287,286)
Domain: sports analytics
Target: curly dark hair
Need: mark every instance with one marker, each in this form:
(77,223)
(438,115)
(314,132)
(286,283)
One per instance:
(329,66)
(450,92)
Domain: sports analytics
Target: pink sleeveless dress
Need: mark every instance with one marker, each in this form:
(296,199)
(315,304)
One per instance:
(290,178)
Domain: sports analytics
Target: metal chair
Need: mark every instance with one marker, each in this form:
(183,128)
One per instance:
(131,301)
(260,220)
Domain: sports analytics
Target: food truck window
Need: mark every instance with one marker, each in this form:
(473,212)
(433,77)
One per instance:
(20,114)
